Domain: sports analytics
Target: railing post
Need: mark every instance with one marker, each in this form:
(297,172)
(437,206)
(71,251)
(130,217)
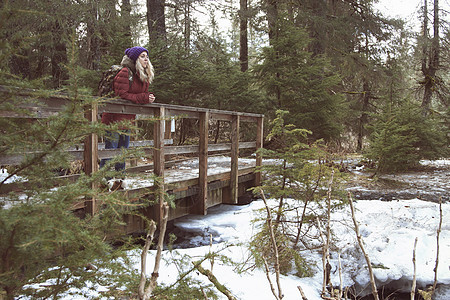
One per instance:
(158,159)
(234,174)
(259,145)
(90,155)
(167,131)
(203,164)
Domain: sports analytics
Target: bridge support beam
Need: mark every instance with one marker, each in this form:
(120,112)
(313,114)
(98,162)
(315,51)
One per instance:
(259,145)
(201,207)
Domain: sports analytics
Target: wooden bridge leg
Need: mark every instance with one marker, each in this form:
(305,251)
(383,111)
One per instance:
(91,158)
(259,145)
(158,161)
(234,174)
(201,206)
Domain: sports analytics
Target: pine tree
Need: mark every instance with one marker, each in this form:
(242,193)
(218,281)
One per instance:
(402,136)
(302,83)
(44,242)
(298,180)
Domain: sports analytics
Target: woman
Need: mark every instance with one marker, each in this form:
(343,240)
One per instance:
(135,60)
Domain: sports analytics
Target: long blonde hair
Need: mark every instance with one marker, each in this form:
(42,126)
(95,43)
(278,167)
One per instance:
(145,74)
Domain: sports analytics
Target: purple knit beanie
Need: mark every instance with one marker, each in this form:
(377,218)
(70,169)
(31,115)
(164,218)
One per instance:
(134,52)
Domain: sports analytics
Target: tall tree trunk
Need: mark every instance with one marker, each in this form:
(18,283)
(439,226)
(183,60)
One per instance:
(126,15)
(243,40)
(187,25)
(272,19)
(59,56)
(362,120)
(430,56)
(156,22)
(272,16)
(92,47)
(317,33)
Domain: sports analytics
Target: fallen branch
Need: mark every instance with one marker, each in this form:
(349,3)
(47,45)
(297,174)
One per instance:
(361,245)
(214,280)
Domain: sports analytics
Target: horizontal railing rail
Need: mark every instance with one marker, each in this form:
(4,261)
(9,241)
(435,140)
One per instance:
(39,105)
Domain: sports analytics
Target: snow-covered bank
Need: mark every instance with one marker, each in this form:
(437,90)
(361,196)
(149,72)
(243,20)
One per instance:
(388,230)
(387,227)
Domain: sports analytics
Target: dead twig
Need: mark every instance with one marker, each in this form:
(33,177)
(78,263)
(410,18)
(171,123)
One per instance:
(413,288)
(301,293)
(340,277)
(266,266)
(437,246)
(148,242)
(361,246)
(274,246)
(145,293)
(204,293)
(327,244)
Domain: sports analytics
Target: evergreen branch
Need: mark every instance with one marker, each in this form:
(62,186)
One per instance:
(56,142)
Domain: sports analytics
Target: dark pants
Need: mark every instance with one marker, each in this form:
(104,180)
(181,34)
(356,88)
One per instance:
(114,140)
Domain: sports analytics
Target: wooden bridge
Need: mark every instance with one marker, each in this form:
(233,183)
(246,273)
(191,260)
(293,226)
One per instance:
(193,195)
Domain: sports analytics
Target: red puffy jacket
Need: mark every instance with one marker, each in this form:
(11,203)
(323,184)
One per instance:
(136,93)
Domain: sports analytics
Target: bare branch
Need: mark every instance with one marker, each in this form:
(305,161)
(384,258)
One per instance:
(274,246)
(268,278)
(361,245)
(437,246)
(301,293)
(148,242)
(413,288)
(145,293)
(340,277)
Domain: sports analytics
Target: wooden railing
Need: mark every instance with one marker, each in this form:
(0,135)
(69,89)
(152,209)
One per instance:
(91,153)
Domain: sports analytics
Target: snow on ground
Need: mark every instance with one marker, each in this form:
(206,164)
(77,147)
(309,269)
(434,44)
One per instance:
(387,228)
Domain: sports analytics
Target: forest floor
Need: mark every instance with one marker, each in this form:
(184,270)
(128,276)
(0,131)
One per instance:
(429,182)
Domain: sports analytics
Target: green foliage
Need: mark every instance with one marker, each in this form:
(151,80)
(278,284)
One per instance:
(302,83)
(301,171)
(42,241)
(187,289)
(288,258)
(402,136)
(47,245)
(298,180)
(186,286)
(206,77)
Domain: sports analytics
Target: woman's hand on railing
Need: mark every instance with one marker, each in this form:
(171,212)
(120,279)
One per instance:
(151,98)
